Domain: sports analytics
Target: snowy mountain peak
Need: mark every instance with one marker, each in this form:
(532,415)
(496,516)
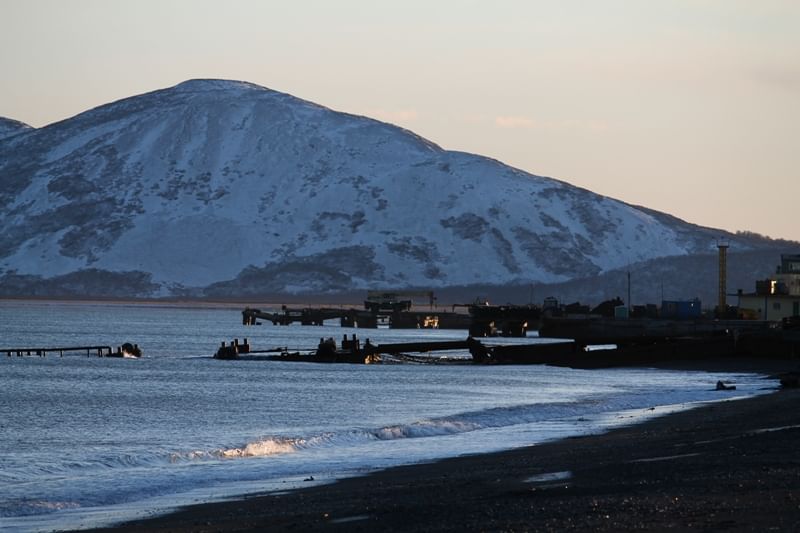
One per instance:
(204,84)
(226,188)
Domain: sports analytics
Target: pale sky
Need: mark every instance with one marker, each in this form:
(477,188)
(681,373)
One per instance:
(691,107)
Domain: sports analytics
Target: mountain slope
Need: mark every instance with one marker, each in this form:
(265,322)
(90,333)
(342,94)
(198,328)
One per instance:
(9,127)
(228,187)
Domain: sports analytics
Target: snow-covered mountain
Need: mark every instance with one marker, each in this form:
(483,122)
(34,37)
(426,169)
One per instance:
(223,187)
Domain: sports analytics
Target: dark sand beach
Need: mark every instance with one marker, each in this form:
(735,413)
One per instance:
(726,466)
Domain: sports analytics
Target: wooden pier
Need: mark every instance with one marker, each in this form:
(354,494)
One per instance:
(126,350)
(357,318)
(397,319)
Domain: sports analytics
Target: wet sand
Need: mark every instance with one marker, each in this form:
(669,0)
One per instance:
(730,465)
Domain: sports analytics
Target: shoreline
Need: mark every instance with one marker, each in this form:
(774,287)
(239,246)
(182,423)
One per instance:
(727,464)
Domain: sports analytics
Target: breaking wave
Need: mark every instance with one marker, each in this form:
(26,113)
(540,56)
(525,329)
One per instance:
(425,428)
(262,448)
(433,427)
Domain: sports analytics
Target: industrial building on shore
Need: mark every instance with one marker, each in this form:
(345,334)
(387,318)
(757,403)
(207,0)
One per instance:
(777,297)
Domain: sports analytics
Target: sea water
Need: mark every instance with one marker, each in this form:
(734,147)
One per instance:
(88,441)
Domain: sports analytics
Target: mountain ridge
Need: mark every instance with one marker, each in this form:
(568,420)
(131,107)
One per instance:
(10,127)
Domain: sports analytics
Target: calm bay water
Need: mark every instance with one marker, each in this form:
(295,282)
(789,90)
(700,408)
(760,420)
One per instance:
(88,441)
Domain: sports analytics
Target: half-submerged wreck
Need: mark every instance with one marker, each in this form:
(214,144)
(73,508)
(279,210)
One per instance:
(589,342)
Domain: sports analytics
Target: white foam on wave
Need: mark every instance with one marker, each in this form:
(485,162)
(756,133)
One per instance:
(273,445)
(262,448)
(280,445)
(495,417)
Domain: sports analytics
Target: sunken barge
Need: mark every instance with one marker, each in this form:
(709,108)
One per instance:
(577,342)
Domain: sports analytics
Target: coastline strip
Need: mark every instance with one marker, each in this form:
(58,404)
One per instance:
(737,469)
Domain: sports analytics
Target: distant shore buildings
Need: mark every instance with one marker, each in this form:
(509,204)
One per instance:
(777,297)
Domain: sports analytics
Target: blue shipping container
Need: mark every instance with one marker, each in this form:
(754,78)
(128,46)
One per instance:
(680,309)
